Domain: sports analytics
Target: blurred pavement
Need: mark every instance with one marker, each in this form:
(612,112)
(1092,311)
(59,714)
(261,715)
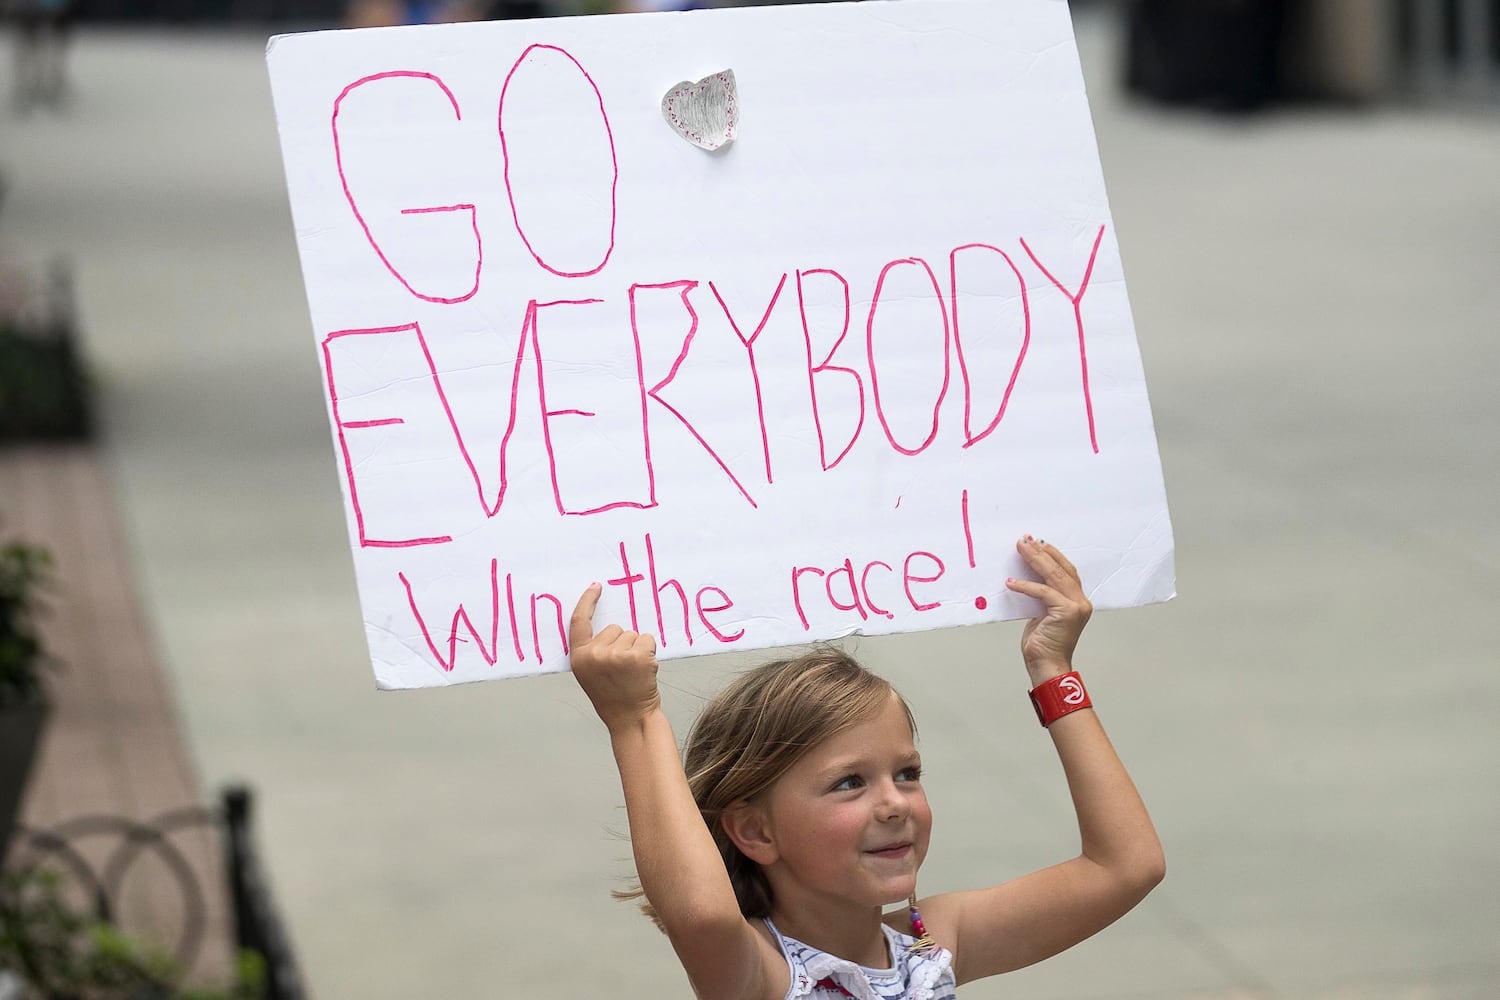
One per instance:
(1313,722)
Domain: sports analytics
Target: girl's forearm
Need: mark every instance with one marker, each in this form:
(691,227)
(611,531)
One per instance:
(679,867)
(676,860)
(1115,828)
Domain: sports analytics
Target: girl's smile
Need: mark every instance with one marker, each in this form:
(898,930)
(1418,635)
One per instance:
(894,852)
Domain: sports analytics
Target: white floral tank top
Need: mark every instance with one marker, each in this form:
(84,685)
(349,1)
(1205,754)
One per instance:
(817,975)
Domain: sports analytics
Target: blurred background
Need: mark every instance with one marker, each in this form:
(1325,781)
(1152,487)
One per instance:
(1307,199)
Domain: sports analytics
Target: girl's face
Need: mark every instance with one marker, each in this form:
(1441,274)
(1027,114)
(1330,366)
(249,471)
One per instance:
(850,821)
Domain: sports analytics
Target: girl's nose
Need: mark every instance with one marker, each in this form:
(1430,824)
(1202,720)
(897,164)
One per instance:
(893,804)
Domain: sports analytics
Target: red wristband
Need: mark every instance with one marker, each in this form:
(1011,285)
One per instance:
(1055,698)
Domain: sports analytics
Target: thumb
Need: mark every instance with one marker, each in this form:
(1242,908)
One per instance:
(581,627)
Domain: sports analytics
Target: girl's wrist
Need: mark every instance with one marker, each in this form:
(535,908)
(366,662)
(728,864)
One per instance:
(627,723)
(1045,670)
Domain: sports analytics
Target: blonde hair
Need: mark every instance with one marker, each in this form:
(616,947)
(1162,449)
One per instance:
(755,730)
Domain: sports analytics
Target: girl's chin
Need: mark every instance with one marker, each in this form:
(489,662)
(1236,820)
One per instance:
(900,891)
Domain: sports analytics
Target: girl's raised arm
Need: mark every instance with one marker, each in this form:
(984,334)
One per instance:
(678,865)
(1036,916)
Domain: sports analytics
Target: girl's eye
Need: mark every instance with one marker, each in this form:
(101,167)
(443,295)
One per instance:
(913,773)
(848,784)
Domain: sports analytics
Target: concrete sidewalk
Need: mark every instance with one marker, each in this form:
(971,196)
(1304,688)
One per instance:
(1313,722)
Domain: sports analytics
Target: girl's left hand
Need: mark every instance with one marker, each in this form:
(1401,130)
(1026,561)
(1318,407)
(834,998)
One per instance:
(1047,643)
(616,668)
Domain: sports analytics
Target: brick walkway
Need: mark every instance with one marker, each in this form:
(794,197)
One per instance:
(112,746)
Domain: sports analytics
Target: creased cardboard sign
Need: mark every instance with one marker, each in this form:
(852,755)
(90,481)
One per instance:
(815,383)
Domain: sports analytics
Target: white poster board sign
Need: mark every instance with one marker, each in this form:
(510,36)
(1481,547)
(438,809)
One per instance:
(813,382)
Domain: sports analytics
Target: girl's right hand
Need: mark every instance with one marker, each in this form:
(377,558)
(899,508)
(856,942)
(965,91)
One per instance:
(615,668)
(1048,641)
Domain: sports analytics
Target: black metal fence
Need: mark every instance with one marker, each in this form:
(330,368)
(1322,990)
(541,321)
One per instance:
(256,924)
(101,876)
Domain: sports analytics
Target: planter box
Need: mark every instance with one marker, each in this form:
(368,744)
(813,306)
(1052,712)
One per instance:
(44,394)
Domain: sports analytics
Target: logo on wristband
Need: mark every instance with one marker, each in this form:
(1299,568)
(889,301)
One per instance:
(1074,688)
(1055,698)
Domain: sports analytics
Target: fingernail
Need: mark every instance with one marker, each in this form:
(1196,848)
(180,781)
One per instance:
(1010,579)
(1041,541)
(1027,538)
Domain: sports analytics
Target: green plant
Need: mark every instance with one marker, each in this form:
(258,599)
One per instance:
(25,572)
(62,954)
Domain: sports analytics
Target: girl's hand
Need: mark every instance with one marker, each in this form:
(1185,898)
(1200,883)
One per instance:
(1047,642)
(616,668)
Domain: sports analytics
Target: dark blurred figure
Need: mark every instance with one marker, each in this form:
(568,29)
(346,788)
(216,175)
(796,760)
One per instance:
(506,9)
(42,31)
(640,6)
(380,13)
(384,13)
(1217,53)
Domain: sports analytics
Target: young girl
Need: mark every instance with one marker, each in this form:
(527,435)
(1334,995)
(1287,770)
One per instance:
(770,855)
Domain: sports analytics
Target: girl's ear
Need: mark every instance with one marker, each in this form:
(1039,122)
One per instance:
(745,824)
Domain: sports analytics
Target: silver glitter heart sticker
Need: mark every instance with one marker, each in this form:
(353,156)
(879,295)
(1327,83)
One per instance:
(706,113)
